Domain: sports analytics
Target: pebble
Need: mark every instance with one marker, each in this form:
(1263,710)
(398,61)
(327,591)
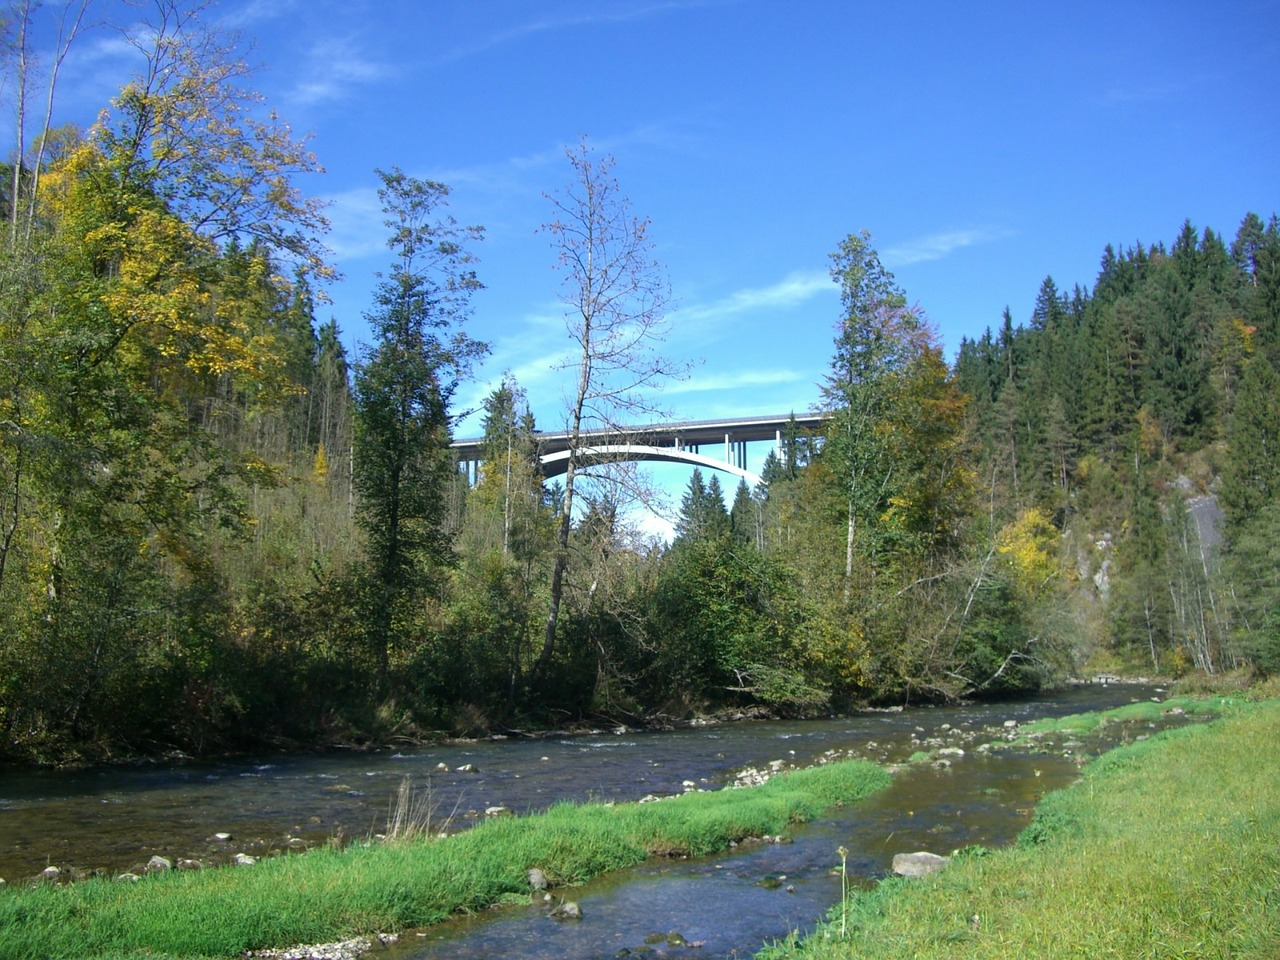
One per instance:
(340,950)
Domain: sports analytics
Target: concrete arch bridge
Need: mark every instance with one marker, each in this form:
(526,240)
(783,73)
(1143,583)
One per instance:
(726,440)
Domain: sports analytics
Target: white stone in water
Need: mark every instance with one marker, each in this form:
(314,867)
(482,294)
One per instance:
(50,873)
(537,879)
(158,864)
(1010,724)
(128,878)
(244,860)
(467,768)
(224,837)
(567,911)
(442,767)
(497,811)
(951,752)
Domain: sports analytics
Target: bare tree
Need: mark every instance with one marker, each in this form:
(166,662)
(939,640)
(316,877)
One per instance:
(616,296)
(19,19)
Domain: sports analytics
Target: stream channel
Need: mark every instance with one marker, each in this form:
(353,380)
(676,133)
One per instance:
(108,820)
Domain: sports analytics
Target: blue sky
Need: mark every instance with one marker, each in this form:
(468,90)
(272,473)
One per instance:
(983,145)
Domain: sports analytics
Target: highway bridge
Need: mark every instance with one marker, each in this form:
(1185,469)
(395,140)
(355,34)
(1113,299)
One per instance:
(666,442)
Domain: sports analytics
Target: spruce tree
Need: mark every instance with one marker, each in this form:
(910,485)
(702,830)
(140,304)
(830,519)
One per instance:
(403,387)
(1251,476)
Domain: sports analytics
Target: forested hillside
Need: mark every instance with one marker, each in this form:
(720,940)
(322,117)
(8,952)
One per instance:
(219,531)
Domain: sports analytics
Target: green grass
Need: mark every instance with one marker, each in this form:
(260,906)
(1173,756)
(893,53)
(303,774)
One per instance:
(1144,711)
(1168,848)
(325,895)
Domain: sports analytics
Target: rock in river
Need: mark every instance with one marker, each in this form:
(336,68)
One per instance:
(919,864)
(567,910)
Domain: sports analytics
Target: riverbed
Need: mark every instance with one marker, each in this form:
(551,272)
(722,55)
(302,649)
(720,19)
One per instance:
(114,819)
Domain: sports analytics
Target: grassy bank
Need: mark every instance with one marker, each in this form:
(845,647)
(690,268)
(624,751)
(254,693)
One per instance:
(325,895)
(1145,711)
(1166,848)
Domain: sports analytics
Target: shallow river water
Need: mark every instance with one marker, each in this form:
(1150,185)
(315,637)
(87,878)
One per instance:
(114,819)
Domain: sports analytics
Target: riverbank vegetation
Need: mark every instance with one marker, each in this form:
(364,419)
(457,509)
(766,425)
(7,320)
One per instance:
(221,529)
(1138,859)
(329,894)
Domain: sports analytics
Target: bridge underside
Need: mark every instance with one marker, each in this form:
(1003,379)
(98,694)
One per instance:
(663,442)
(555,464)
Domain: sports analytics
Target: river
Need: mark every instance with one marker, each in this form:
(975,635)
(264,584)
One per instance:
(113,819)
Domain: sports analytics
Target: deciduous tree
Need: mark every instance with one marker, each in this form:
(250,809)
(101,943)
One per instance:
(615,295)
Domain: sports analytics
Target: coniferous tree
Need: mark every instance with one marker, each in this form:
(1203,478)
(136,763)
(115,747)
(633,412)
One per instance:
(402,392)
(745,518)
(1251,476)
(877,338)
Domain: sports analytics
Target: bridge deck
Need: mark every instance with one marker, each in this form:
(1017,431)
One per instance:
(690,433)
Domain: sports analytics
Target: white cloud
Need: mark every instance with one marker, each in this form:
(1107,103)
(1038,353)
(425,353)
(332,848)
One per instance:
(592,15)
(356,227)
(794,289)
(258,11)
(335,67)
(736,381)
(936,246)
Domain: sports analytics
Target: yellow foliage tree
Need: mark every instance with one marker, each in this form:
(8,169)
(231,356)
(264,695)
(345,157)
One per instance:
(1029,547)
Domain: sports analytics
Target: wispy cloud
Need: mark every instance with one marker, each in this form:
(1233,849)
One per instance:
(936,246)
(258,11)
(623,14)
(356,227)
(336,67)
(794,289)
(736,381)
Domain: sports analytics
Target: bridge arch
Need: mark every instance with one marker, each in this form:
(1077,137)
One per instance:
(555,464)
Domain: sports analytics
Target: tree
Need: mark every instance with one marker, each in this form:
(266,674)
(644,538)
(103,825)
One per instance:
(402,392)
(189,129)
(878,337)
(1251,476)
(745,518)
(26,180)
(702,511)
(615,296)
(137,325)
